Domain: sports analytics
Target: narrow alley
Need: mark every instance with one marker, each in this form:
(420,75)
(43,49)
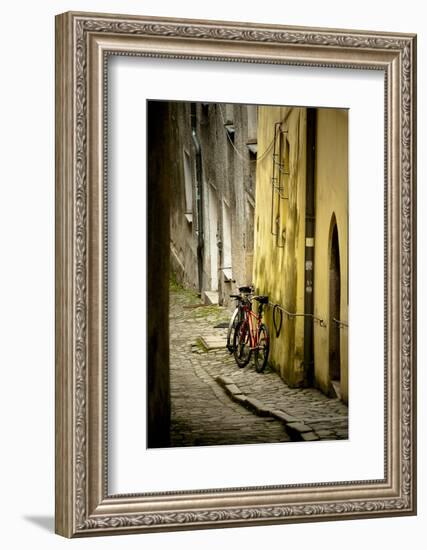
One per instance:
(214,402)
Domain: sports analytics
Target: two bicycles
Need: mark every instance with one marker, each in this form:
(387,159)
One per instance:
(247,332)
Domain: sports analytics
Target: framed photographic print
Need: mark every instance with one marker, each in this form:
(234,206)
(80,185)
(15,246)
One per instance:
(235,274)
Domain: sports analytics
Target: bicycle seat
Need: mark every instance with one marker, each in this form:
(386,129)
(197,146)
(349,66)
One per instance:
(245,289)
(261,299)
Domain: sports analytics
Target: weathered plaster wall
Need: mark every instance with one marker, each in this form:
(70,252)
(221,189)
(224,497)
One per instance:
(228,187)
(279,261)
(331,199)
(183,232)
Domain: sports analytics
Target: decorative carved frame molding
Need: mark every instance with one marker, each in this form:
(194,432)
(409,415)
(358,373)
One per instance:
(83,42)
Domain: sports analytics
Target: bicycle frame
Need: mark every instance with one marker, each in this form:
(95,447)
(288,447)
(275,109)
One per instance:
(254,322)
(238,313)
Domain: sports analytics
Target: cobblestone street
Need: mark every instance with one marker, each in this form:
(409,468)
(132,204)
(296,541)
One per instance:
(215,402)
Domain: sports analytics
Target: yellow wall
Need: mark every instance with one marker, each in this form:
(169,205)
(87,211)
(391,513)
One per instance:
(331,199)
(276,269)
(279,271)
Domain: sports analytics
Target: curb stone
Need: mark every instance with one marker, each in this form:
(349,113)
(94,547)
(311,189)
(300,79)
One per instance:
(297,430)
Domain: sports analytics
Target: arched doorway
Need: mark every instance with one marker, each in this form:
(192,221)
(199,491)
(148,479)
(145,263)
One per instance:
(334,311)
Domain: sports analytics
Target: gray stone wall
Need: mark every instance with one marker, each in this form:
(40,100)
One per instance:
(227,186)
(183,243)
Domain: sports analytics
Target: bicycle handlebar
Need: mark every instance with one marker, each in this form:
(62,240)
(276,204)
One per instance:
(245,292)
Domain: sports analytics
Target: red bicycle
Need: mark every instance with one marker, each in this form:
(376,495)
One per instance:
(251,335)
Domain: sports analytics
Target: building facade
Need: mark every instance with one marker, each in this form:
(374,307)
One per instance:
(301,243)
(213,196)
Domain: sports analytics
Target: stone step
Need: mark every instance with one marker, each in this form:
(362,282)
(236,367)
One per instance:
(212,342)
(337,388)
(210,297)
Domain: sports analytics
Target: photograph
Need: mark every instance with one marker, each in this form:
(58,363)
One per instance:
(235,273)
(258,272)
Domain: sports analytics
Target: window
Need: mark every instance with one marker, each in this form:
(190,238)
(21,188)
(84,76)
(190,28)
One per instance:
(226,242)
(188,185)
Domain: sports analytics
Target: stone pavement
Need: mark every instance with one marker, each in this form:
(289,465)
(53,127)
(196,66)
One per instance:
(215,402)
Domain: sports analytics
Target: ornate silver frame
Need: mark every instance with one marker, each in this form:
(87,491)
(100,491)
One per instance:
(83,41)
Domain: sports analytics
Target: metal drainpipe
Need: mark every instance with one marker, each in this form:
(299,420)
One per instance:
(309,247)
(199,196)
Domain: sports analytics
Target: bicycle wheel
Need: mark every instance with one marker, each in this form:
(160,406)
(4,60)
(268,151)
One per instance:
(232,329)
(242,344)
(263,348)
